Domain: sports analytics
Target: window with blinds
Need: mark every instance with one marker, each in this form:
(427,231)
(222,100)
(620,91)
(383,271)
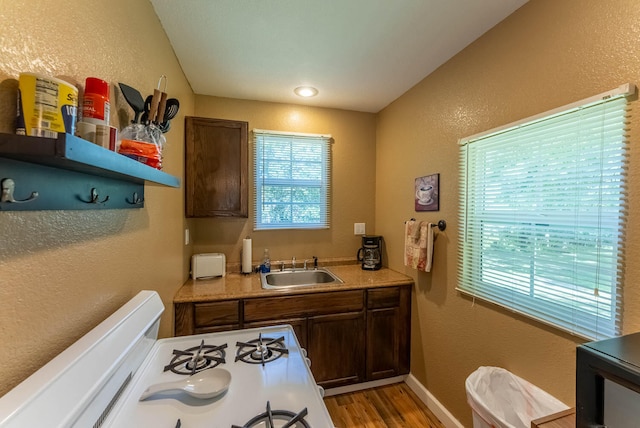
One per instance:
(542,213)
(292,174)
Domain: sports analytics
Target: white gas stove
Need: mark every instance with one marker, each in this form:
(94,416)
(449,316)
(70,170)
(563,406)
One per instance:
(98,381)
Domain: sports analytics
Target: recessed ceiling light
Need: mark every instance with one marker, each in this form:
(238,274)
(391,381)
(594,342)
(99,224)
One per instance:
(306,91)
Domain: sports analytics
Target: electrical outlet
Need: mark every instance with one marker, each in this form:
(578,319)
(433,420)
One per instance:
(358,228)
(186,237)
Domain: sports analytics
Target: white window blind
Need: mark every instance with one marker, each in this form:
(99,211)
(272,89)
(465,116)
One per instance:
(292,180)
(542,214)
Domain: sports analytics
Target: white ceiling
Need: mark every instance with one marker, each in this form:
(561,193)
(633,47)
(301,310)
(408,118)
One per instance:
(360,54)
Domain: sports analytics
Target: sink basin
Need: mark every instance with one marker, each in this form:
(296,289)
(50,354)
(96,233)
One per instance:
(298,278)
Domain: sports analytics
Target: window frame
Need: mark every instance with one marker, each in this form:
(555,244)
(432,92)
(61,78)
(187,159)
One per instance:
(323,184)
(475,253)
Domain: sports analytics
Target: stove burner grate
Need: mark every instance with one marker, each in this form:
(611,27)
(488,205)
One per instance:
(290,419)
(261,350)
(196,359)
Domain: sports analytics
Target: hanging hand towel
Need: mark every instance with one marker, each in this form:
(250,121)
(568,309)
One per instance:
(411,238)
(418,245)
(426,247)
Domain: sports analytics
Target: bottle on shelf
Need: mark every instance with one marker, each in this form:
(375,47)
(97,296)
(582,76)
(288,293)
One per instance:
(266,262)
(95,103)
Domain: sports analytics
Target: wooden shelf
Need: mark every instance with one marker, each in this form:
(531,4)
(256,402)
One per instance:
(75,154)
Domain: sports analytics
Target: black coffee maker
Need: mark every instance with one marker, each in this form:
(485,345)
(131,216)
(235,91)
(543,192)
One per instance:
(370,254)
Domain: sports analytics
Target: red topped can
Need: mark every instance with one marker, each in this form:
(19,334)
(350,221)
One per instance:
(95,104)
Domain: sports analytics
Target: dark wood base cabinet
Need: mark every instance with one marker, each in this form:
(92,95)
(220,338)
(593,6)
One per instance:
(351,336)
(388,332)
(335,344)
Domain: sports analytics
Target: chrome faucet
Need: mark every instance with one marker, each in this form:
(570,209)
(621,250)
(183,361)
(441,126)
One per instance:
(315,263)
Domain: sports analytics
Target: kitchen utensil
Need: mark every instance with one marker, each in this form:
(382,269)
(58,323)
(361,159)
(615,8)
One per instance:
(154,131)
(202,385)
(158,97)
(153,107)
(172,107)
(167,110)
(134,99)
(163,101)
(147,106)
(161,108)
(146,116)
(165,126)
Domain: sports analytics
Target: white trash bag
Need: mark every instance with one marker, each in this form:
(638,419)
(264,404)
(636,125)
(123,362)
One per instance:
(500,399)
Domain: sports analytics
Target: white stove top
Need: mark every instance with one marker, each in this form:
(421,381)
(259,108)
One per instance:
(286,383)
(97,381)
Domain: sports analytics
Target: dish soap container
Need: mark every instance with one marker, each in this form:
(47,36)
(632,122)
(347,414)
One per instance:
(266,262)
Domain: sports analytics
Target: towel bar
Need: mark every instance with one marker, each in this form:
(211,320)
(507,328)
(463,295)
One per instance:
(442,225)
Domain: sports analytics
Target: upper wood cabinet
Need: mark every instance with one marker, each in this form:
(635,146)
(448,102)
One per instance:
(216,165)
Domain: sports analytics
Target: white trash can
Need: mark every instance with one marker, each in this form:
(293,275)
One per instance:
(500,399)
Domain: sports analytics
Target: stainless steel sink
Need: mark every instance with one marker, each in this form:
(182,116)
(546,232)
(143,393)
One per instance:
(289,278)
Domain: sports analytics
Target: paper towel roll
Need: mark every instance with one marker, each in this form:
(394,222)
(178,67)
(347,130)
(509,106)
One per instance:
(246,255)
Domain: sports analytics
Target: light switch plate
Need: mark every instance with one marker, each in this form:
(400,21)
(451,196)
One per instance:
(358,228)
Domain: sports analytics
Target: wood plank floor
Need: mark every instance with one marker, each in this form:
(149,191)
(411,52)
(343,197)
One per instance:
(390,406)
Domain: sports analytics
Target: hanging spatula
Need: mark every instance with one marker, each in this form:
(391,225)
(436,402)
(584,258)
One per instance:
(134,99)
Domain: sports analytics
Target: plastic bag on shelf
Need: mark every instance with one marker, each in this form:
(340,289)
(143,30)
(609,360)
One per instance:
(142,143)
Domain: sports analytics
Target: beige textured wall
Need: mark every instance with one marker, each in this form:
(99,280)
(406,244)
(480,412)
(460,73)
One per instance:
(62,272)
(547,54)
(352,192)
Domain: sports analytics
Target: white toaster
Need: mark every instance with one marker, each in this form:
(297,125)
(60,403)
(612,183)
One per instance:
(207,265)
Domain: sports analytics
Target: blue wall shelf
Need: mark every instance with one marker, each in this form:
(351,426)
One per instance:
(71,173)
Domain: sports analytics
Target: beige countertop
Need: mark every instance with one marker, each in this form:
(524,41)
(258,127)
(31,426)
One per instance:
(237,285)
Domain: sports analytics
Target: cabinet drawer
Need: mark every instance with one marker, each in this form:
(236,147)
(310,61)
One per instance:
(383,297)
(217,313)
(272,308)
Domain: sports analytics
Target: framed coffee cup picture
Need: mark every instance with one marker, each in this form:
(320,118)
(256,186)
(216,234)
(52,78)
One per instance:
(427,193)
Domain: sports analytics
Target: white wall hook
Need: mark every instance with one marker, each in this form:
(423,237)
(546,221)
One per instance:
(8,187)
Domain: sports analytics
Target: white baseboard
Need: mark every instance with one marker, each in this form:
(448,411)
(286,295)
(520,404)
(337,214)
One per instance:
(432,403)
(364,385)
